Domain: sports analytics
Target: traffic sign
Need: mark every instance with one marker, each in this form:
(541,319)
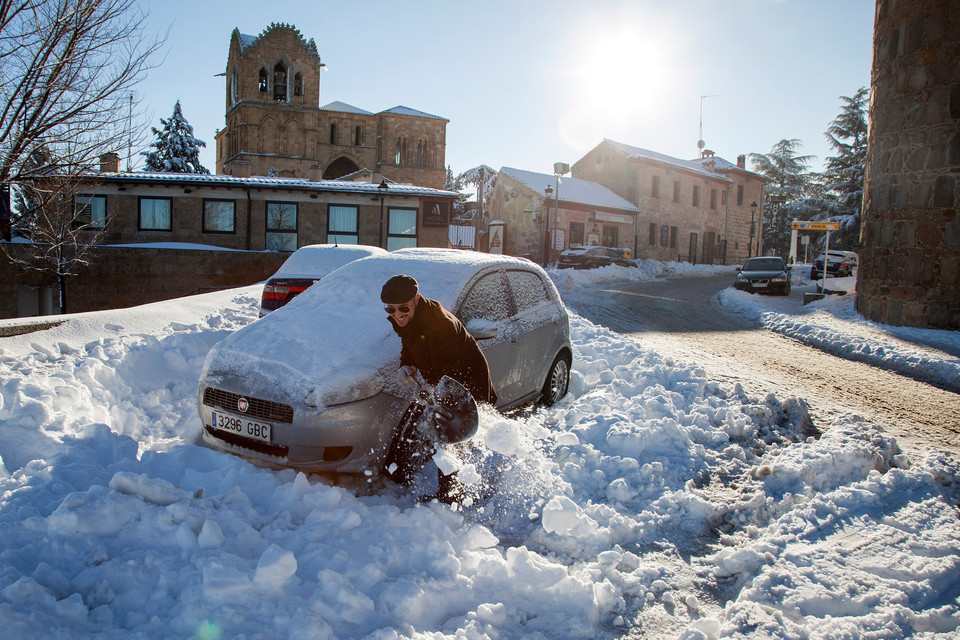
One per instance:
(807,225)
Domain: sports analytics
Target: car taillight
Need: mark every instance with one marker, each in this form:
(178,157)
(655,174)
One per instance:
(280,294)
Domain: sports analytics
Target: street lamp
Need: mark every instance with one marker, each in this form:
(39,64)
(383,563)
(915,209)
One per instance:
(548,191)
(753,227)
(382,193)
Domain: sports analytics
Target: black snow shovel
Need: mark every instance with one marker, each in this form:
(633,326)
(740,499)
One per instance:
(448,407)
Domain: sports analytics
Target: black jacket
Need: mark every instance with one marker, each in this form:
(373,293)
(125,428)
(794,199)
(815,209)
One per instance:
(437,344)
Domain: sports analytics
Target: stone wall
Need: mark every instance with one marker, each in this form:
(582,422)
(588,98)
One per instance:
(128,276)
(909,271)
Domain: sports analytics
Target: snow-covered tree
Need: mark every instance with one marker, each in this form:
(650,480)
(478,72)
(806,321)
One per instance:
(844,172)
(482,177)
(457,185)
(791,182)
(176,150)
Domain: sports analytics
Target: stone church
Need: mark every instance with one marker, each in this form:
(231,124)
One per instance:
(276,126)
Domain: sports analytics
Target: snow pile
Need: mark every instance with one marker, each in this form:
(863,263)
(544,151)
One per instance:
(651,499)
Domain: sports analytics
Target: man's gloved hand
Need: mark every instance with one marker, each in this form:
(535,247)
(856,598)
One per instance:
(406,376)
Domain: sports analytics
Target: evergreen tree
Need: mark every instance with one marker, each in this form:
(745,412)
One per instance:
(844,172)
(791,182)
(457,185)
(176,150)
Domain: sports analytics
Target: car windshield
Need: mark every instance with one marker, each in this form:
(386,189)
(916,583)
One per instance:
(762,264)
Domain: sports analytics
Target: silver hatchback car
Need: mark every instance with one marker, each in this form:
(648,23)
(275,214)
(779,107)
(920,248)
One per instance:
(312,385)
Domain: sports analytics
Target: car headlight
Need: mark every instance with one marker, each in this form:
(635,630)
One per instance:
(357,391)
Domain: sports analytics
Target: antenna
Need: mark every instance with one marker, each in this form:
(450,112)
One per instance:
(130,133)
(700,143)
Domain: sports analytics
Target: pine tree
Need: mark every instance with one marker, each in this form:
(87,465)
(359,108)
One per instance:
(844,172)
(791,182)
(176,150)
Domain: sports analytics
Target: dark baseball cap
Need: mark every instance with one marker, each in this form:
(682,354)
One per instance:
(399,289)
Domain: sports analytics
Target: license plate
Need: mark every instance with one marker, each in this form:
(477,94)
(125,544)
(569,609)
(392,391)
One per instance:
(240,426)
(759,284)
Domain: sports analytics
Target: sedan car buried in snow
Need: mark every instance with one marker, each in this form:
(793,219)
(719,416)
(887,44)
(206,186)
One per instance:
(764,275)
(314,387)
(839,264)
(305,266)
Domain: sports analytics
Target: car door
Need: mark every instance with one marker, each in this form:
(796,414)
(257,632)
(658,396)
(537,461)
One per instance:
(538,320)
(489,307)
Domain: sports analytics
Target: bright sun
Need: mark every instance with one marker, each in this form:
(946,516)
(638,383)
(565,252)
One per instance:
(619,77)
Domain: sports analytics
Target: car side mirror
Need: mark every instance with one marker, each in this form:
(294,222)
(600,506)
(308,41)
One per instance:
(482,329)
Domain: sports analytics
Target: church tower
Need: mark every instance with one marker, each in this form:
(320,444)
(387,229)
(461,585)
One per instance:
(274,123)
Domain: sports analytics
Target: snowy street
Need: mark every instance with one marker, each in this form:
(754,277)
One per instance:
(660,499)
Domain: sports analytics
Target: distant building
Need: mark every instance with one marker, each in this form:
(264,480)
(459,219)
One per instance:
(274,122)
(539,227)
(699,210)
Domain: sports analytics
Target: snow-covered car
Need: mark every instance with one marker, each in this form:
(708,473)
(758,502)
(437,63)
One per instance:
(314,387)
(840,264)
(764,275)
(305,266)
(593,257)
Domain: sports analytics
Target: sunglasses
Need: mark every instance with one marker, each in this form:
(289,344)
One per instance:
(390,309)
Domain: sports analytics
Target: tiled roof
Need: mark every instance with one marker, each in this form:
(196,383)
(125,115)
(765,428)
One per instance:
(407,111)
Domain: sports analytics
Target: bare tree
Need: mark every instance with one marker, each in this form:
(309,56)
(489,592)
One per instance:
(67,70)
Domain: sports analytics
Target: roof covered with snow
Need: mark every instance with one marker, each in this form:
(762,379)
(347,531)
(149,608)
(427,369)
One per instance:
(340,186)
(637,153)
(407,111)
(572,190)
(722,165)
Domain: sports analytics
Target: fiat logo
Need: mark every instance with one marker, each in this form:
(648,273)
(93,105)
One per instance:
(243,405)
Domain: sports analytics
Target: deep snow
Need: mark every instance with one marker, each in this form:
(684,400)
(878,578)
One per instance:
(652,502)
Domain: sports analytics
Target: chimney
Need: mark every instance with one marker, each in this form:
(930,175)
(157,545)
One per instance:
(742,161)
(110,162)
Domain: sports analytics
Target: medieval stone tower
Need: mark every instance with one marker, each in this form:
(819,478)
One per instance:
(909,270)
(274,121)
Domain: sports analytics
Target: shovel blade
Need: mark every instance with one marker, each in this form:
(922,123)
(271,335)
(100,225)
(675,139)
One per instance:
(454,399)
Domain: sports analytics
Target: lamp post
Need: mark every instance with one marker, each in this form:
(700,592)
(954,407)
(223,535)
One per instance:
(753,226)
(548,191)
(382,193)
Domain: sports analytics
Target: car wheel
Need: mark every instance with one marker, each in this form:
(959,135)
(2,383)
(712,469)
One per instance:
(786,288)
(557,382)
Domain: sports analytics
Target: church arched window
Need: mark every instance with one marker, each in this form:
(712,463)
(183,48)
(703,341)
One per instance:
(298,85)
(262,83)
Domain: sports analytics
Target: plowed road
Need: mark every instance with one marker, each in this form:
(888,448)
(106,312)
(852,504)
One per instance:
(681,318)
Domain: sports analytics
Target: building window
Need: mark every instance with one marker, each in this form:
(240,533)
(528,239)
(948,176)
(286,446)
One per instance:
(333,133)
(280,82)
(219,216)
(664,236)
(399,156)
(713,198)
(91,211)
(358,136)
(155,214)
(655,187)
(673,237)
(298,85)
(262,82)
(723,197)
(233,87)
(420,153)
(696,196)
(739,195)
(653,233)
(281,226)
(576,234)
(342,224)
(676,191)
(401,229)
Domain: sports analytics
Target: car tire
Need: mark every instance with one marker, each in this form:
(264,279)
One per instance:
(786,289)
(557,382)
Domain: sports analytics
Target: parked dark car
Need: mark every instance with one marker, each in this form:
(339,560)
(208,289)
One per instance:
(305,266)
(314,385)
(840,264)
(593,257)
(764,275)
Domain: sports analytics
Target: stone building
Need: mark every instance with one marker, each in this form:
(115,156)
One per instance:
(274,123)
(532,209)
(909,272)
(703,211)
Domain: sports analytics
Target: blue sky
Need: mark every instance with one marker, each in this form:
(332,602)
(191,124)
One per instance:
(529,83)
